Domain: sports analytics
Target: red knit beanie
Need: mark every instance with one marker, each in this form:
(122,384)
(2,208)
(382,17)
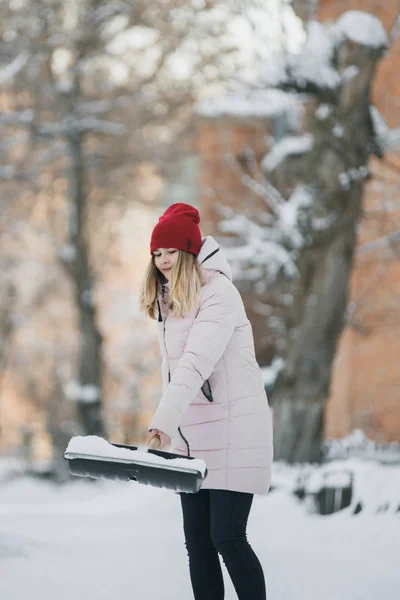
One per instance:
(178,228)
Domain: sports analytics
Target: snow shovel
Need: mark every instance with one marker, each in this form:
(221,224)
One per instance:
(92,456)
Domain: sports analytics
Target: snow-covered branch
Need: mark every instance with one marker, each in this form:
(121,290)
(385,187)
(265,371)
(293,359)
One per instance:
(314,69)
(65,128)
(258,103)
(386,241)
(288,146)
(259,257)
(395,30)
(266,251)
(387,139)
(392,140)
(99,126)
(256,181)
(23,117)
(11,70)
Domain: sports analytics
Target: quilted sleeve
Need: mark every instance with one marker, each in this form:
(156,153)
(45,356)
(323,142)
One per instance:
(210,334)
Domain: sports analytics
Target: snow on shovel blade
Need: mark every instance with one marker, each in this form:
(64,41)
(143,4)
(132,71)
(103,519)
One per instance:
(92,456)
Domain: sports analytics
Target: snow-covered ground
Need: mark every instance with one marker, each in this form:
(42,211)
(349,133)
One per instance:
(114,540)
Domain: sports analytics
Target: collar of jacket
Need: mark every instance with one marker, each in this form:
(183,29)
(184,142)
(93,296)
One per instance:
(212,259)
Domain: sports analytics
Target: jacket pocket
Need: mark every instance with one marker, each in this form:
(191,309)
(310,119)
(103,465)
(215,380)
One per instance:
(206,389)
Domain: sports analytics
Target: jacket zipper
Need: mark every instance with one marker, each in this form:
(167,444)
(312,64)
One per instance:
(169,372)
(206,387)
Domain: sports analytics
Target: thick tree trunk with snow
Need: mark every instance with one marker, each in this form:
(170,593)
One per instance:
(301,391)
(335,171)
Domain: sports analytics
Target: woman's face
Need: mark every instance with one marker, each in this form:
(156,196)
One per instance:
(165,259)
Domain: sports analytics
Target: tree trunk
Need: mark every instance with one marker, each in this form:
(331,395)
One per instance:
(6,327)
(301,391)
(89,378)
(335,171)
(76,260)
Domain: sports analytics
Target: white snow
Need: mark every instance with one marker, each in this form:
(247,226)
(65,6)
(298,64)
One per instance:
(259,255)
(349,73)
(328,477)
(314,64)
(68,253)
(263,104)
(271,373)
(323,111)
(376,487)
(262,255)
(136,37)
(61,61)
(102,540)
(381,128)
(323,223)
(288,146)
(357,445)
(360,27)
(344,180)
(346,177)
(93,446)
(338,130)
(263,251)
(392,141)
(289,214)
(8,72)
(388,139)
(274,70)
(85,393)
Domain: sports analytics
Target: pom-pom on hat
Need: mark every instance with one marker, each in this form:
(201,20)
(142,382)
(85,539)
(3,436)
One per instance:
(178,228)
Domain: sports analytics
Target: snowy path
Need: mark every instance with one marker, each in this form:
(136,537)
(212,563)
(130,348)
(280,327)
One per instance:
(124,542)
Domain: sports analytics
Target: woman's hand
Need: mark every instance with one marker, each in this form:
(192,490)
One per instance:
(163,437)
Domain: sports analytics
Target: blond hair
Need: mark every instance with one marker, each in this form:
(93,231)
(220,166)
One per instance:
(185,281)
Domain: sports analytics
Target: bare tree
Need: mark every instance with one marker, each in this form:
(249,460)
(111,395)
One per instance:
(94,89)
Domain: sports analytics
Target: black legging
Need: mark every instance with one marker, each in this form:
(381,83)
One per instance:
(215,521)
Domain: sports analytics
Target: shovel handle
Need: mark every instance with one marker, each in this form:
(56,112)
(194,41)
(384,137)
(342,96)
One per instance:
(155,443)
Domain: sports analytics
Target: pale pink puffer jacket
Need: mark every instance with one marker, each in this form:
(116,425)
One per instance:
(213,399)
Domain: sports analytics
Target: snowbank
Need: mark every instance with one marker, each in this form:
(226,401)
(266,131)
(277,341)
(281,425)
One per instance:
(357,445)
(372,487)
(375,487)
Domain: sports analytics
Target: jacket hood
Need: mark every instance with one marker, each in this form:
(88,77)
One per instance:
(211,257)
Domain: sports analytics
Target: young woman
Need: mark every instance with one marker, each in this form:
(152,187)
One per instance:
(213,403)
